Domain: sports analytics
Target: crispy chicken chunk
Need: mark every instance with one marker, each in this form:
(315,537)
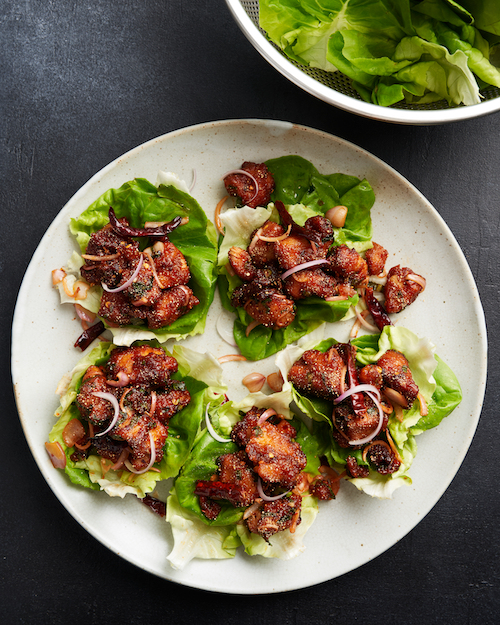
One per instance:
(400,290)
(320,374)
(243,187)
(275,516)
(92,408)
(375,259)
(172,304)
(392,370)
(347,265)
(275,456)
(142,365)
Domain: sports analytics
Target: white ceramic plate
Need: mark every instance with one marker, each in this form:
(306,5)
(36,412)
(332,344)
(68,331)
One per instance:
(354,528)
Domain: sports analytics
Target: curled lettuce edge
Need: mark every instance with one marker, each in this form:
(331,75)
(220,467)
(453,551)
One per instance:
(437,384)
(203,376)
(173,191)
(196,537)
(420,52)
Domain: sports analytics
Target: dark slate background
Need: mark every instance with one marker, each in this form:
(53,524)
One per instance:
(80,84)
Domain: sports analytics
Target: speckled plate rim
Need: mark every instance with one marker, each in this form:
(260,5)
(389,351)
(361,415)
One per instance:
(345,102)
(353,516)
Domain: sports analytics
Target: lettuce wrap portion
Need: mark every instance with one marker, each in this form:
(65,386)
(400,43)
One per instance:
(202,376)
(437,384)
(393,51)
(140,201)
(195,536)
(305,193)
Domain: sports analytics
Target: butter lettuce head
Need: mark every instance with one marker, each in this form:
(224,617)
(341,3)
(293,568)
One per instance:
(437,384)
(306,193)
(183,427)
(141,201)
(393,50)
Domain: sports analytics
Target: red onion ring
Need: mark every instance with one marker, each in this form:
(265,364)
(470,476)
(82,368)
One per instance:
(212,431)
(265,415)
(114,402)
(244,173)
(356,389)
(150,463)
(121,381)
(265,497)
(129,281)
(311,263)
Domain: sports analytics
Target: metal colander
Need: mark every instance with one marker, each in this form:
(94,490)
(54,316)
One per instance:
(335,88)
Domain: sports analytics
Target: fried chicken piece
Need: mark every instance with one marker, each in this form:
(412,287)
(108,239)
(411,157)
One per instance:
(347,265)
(295,250)
(242,264)
(354,469)
(352,426)
(209,507)
(243,187)
(262,252)
(217,490)
(108,447)
(172,304)
(117,310)
(383,459)
(400,290)
(309,282)
(135,429)
(106,242)
(320,374)
(276,458)
(142,365)
(396,374)
(234,469)
(170,264)
(169,403)
(92,408)
(270,308)
(144,289)
(275,516)
(375,259)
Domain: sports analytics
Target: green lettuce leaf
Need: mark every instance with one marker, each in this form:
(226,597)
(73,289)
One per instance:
(184,427)
(197,536)
(306,193)
(140,201)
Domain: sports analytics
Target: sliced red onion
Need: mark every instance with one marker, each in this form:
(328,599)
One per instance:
(414,277)
(265,497)
(110,397)
(356,389)
(129,465)
(363,322)
(210,428)
(84,314)
(121,381)
(311,263)
(153,403)
(244,173)
(98,258)
(265,415)
(129,281)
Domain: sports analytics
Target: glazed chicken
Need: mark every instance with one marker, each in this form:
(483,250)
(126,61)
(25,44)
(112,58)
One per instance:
(328,375)
(244,188)
(148,287)
(269,460)
(139,378)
